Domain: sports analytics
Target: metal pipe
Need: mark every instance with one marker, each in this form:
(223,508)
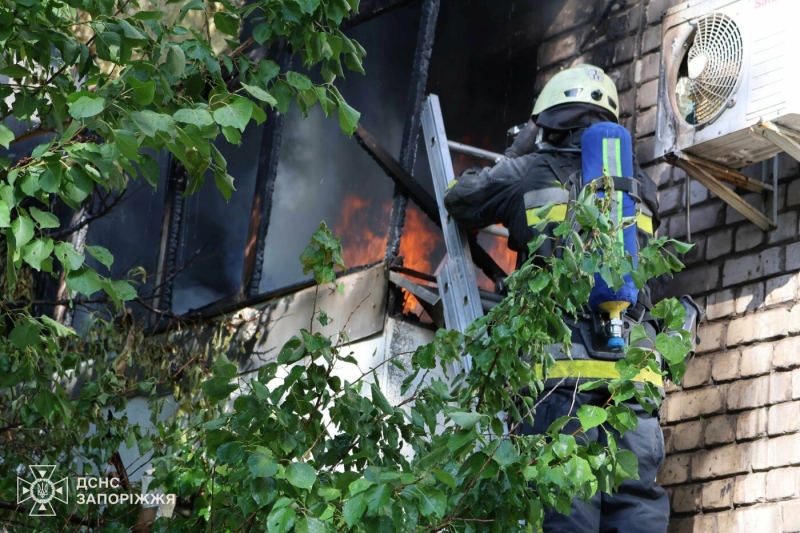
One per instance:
(477,152)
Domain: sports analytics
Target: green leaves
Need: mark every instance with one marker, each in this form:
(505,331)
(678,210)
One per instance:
(6,136)
(102,255)
(262,464)
(301,475)
(195,116)
(465,420)
(261,94)
(322,255)
(85,104)
(353,509)
(22,229)
(591,416)
(175,60)
(227,23)
(235,112)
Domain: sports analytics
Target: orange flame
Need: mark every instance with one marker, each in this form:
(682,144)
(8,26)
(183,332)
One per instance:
(420,238)
(361,243)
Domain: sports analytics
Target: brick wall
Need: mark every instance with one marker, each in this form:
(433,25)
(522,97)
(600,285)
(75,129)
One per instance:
(732,430)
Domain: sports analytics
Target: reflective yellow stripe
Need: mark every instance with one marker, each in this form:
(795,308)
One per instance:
(556,214)
(645,223)
(559,212)
(591,369)
(452,182)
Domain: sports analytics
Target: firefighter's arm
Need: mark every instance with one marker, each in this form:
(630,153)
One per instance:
(480,197)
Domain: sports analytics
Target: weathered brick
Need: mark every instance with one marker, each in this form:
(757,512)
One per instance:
(698,523)
(627,103)
(781,289)
(718,494)
(748,394)
(645,150)
(647,67)
(787,353)
(780,387)
(646,123)
(647,95)
(719,244)
(651,39)
(720,304)
(660,173)
(720,430)
(732,215)
(787,228)
(668,432)
(558,49)
(669,199)
(688,436)
(758,518)
(782,483)
(625,50)
(750,488)
(725,366)
(655,10)
(751,424)
(791,516)
(750,297)
(675,469)
(793,256)
(691,404)
(784,418)
(776,452)
(793,193)
(635,18)
(701,219)
(698,372)
(756,360)
(794,319)
(748,237)
(694,280)
(796,384)
(686,498)
(696,254)
(759,326)
(697,193)
(751,267)
(724,461)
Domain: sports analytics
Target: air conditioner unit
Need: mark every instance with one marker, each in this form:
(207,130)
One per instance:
(725,66)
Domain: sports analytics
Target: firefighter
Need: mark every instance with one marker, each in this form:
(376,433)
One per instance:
(546,151)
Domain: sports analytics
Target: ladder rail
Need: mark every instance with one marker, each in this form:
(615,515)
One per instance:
(457,282)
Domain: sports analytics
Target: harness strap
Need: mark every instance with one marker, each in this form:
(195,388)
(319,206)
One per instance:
(593,369)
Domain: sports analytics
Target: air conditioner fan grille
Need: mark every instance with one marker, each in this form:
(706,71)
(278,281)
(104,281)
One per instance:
(714,64)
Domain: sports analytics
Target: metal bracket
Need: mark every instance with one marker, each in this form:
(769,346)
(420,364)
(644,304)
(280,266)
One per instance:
(712,176)
(457,282)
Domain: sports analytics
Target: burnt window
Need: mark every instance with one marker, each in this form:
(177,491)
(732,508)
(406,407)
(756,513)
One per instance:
(324,175)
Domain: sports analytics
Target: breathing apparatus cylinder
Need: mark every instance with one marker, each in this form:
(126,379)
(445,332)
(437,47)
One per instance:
(607,150)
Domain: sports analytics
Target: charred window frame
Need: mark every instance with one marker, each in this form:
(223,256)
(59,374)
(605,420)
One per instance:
(261,209)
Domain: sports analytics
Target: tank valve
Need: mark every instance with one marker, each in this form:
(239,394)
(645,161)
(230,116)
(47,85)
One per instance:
(614,326)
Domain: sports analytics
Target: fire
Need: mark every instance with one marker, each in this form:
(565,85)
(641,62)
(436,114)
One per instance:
(420,238)
(504,256)
(363,240)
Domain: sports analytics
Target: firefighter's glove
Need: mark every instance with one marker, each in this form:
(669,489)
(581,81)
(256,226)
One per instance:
(694,314)
(525,143)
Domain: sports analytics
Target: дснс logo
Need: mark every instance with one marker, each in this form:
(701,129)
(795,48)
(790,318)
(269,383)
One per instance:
(42,490)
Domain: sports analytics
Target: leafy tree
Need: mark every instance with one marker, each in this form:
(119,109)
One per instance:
(311,452)
(294,448)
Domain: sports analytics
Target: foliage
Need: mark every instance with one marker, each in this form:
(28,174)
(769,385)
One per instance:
(294,447)
(98,87)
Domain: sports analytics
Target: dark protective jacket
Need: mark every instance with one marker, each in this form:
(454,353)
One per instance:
(510,192)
